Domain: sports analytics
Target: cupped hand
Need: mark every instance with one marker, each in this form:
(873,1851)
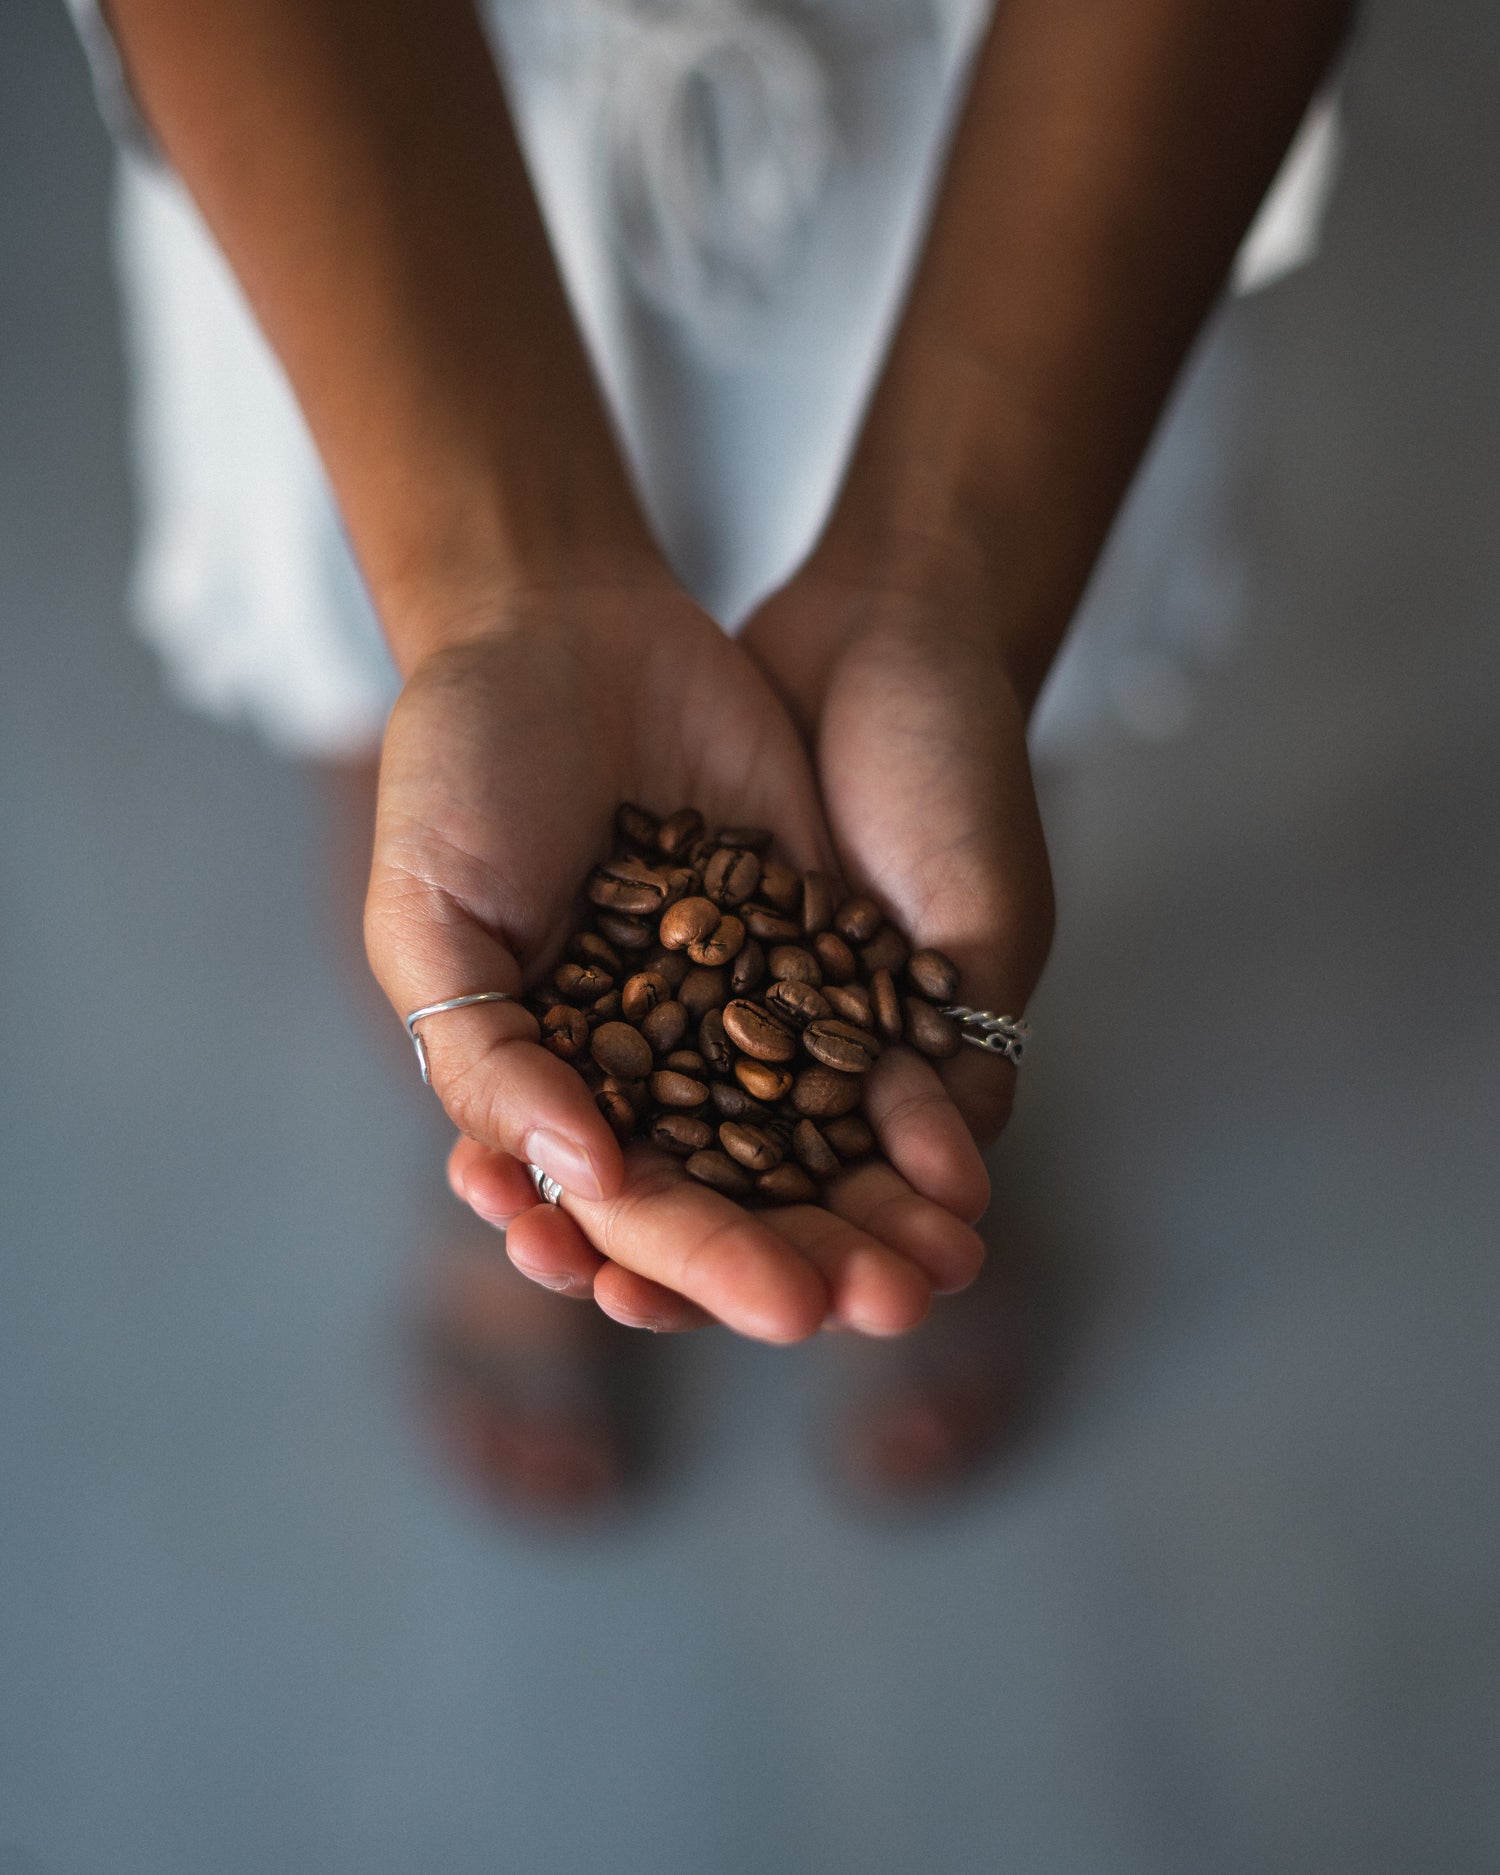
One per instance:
(503,763)
(918,737)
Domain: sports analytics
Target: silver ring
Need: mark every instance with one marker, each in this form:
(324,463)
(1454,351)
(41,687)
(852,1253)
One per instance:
(547,1187)
(997,1035)
(437,1009)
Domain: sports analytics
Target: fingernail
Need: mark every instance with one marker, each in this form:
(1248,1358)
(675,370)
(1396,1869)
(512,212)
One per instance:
(555,1279)
(558,1281)
(497,1220)
(652,1324)
(568,1163)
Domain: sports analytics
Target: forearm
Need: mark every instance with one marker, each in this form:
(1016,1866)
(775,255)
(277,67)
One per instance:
(1110,157)
(356,161)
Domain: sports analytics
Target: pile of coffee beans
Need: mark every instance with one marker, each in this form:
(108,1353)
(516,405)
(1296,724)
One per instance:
(727,1007)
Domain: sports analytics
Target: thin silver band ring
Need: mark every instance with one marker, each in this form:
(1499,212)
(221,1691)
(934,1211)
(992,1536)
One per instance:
(437,1009)
(547,1187)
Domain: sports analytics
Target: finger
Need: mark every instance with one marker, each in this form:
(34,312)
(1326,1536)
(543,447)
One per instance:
(876,1198)
(706,1248)
(495,1187)
(874,1289)
(637,1302)
(999,954)
(494,1079)
(925,1135)
(983,1089)
(545,1244)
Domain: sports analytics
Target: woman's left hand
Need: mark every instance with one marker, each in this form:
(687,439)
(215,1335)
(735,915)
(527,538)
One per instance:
(918,739)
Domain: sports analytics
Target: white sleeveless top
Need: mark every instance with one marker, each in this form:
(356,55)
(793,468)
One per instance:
(736,193)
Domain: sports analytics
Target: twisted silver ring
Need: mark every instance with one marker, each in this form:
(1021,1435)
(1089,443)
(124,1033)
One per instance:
(437,1009)
(997,1035)
(547,1187)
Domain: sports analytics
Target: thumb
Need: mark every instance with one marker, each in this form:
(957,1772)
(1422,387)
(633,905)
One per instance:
(497,1083)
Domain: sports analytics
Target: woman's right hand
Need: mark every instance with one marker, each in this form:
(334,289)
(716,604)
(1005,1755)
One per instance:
(504,761)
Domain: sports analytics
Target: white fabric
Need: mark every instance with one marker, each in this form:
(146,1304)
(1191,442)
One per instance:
(735,192)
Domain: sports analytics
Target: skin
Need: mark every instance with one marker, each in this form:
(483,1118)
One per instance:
(1110,156)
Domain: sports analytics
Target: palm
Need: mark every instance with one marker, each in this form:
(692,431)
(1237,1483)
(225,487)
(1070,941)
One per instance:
(503,765)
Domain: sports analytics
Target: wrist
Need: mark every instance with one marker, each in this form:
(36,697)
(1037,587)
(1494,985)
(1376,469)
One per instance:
(956,495)
(478,568)
(598,621)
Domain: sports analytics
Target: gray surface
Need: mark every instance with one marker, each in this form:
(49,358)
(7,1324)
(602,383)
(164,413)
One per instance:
(1233,1607)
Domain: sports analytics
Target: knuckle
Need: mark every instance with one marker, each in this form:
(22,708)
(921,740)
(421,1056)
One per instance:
(475,1098)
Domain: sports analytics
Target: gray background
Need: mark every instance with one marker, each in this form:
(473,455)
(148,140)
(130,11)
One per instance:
(1232,1604)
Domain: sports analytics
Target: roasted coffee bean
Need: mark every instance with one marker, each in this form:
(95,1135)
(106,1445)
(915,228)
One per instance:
(606,1009)
(813,1150)
(792,961)
(673,965)
(761,1081)
(850,1138)
(680,1133)
(887,1006)
(682,881)
(781,886)
(887,950)
(687,921)
(581,983)
(929,1031)
(730,876)
(627,885)
(705,938)
(720,1171)
(565,1032)
(626,934)
(851,1002)
(751,1145)
(795,1003)
(641,994)
(713,1042)
(841,1045)
(731,1102)
(703,989)
(835,959)
(670,1089)
(756,1033)
(771,927)
(721,944)
(635,826)
(753,839)
(589,948)
(665,1026)
(636,1092)
(932,975)
(748,968)
(679,831)
(823,1093)
(786,1184)
(817,902)
(621,1050)
(857,920)
(618,1113)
